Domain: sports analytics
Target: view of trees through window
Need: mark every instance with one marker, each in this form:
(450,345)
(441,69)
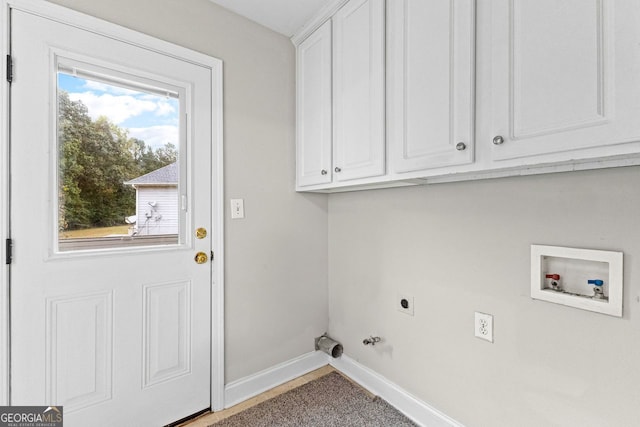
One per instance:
(102,154)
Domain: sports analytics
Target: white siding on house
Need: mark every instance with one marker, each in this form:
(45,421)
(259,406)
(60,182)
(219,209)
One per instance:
(161,219)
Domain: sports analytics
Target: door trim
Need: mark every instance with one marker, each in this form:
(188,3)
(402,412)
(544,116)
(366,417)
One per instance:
(99,26)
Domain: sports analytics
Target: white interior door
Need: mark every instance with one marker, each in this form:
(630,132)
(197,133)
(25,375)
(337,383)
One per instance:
(116,329)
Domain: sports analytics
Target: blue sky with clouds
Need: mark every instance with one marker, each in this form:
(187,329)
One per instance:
(149,117)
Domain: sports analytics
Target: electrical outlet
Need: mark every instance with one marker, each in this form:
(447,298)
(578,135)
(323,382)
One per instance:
(404,304)
(484,326)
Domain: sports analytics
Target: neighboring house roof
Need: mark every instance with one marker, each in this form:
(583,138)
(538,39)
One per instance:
(167,175)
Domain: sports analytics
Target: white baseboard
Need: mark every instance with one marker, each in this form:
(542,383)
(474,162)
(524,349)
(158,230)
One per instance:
(248,387)
(415,409)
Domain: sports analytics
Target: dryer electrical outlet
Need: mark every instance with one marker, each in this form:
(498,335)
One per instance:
(404,304)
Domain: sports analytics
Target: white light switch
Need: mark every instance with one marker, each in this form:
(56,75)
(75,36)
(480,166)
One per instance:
(237,208)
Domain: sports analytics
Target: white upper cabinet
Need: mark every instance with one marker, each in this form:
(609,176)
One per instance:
(430,68)
(314,131)
(564,78)
(449,90)
(358,91)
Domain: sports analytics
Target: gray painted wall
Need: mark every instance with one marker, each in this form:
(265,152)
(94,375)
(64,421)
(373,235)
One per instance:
(276,258)
(456,248)
(464,247)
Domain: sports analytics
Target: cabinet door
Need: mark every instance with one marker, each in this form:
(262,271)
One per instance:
(563,76)
(359,111)
(313,131)
(430,83)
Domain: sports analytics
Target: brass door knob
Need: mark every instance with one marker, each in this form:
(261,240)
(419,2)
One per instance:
(201,233)
(201,258)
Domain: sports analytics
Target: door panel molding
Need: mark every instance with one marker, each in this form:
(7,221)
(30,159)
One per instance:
(169,357)
(104,28)
(95,313)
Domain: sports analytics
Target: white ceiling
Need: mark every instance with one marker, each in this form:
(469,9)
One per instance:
(282,16)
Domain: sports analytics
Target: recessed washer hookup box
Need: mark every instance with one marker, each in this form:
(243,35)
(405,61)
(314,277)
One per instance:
(583,278)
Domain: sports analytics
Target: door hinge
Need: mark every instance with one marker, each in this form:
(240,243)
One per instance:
(9,69)
(8,251)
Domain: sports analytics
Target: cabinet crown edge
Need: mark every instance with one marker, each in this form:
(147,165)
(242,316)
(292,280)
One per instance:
(319,18)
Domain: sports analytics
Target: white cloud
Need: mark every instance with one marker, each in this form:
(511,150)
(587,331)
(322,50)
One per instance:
(116,108)
(164,109)
(103,87)
(156,136)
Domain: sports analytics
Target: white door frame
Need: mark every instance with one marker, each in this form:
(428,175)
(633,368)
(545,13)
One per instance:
(98,26)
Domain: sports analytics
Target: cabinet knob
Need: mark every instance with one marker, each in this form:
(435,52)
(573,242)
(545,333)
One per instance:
(461,146)
(337,169)
(323,172)
(498,140)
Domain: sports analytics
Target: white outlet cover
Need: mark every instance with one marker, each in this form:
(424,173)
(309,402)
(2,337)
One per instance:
(484,326)
(409,309)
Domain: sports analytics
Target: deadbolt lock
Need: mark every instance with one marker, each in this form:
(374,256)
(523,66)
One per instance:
(201,233)
(201,258)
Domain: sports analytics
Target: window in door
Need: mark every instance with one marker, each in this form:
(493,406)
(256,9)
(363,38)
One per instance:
(119,163)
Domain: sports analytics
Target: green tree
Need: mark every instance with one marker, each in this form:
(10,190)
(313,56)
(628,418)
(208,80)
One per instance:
(74,126)
(147,159)
(96,157)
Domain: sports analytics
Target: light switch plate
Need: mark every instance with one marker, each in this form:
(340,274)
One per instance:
(237,208)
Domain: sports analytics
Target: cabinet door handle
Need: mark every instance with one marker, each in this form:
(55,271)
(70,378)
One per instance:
(461,146)
(323,172)
(337,169)
(498,140)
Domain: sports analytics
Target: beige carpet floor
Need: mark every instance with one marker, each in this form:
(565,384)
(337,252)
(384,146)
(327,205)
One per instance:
(329,401)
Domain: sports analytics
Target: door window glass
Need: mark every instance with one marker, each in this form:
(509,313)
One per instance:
(118,161)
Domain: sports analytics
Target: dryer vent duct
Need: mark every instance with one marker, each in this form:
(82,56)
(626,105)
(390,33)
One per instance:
(329,346)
